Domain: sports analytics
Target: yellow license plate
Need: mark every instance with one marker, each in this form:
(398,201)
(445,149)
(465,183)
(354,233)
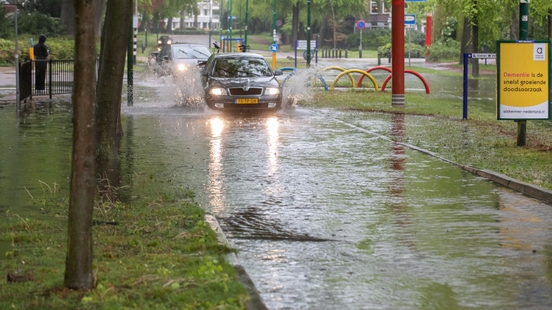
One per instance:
(247,100)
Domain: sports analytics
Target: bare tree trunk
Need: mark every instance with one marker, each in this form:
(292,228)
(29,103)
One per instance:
(78,263)
(334,25)
(68,16)
(182,16)
(294,24)
(169,24)
(475,41)
(98,16)
(549,23)
(110,82)
(514,26)
(465,44)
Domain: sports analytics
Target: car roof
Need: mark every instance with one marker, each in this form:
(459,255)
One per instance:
(239,55)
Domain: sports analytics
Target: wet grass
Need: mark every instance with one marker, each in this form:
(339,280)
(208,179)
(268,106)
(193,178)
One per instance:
(155,252)
(481,141)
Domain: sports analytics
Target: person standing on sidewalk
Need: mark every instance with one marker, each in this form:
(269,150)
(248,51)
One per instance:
(41,54)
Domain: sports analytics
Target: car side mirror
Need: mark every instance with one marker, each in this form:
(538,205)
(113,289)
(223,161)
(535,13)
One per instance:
(278,72)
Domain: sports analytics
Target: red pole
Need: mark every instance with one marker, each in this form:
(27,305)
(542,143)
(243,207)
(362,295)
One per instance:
(397,53)
(429,29)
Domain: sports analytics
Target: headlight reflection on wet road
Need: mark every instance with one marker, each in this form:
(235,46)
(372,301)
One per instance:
(215,165)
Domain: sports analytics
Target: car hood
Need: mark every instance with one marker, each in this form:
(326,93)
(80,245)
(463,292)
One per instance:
(241,82)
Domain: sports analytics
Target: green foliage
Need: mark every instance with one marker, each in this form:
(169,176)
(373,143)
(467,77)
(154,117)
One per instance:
(445,51)
(37,23)
(371,38)
(6,25)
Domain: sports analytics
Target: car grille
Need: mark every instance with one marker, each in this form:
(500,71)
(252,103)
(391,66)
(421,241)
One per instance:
(242,92)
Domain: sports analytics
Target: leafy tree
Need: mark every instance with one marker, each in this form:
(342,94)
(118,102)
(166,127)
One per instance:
(78,263)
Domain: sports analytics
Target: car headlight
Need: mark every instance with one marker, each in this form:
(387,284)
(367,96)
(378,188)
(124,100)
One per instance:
(158,41)
(181,67)
(216,91)
(273,91)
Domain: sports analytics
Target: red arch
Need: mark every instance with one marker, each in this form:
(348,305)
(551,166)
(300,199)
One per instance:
(407,71)
(359,84)
(390,75)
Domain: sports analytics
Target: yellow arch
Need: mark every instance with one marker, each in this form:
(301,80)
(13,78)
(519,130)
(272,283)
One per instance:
(368,75)
(342,70)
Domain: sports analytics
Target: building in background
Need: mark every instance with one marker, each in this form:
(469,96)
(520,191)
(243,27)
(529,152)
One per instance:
(208,12)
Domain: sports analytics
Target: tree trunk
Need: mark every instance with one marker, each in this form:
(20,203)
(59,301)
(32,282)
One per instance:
(475,42)
(182,17)
(465,44)
(334,25)
(323,24)
(110,83)
(169,24)
(98,16)
(549,23)
(514,26)
(294,24)
(78,263)
(68,16)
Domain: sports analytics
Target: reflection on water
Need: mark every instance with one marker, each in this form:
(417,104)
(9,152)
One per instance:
(324,214)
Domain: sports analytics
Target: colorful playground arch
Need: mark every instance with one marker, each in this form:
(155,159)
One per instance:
(364,73)
(391,75)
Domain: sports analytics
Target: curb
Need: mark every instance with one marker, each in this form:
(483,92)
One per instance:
(256,302)
(528,189)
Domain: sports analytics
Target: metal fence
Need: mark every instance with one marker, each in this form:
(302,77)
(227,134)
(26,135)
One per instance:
(59,79)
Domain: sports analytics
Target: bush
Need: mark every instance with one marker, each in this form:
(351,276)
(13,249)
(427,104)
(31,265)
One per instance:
(416,50)
(371,38)
(448,51)
(37,23)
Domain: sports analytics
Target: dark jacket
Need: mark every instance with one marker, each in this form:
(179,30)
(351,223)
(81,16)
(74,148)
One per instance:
(40,49)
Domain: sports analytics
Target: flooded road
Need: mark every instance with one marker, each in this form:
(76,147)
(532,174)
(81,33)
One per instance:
(325,210)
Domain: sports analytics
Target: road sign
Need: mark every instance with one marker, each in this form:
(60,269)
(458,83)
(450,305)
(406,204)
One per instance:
(482,55)
(410,19)
(278,22)
(231,17)
(274,48)
(361,24)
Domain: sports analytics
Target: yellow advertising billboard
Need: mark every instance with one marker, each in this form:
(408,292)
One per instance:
(523,69)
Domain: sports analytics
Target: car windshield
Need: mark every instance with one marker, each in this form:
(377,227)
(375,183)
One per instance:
(241,67)
(190,52)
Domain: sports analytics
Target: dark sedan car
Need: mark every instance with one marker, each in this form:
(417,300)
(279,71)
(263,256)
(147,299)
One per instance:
(241,81)
(177,58)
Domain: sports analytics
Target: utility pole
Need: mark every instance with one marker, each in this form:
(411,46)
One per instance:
(308,33)
(397,53)
(523,35)
(246,20)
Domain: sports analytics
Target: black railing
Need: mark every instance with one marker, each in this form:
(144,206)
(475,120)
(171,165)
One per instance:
(58,79)
(25,80)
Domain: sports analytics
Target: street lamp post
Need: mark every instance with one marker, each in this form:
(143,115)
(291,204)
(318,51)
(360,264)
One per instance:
(210,20)
(230,25)
(274,34)
(246,18)
(17,86)
(308,33)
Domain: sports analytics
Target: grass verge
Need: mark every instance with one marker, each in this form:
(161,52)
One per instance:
(153,253)
(436,125)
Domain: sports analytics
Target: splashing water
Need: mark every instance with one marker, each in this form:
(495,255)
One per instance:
(299,85)
(179,89)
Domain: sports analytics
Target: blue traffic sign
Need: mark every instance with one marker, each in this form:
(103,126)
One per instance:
(361,24)
(274,48)
(410,19)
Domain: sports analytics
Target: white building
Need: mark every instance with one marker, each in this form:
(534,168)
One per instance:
(205,16)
